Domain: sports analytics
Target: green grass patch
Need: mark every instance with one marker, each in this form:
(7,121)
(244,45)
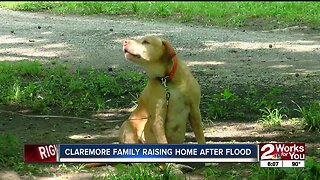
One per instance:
(311,116)
(271,117)
(11,157)
(141,171)
(245,105)
(58,87)
(212,172)
(265,15)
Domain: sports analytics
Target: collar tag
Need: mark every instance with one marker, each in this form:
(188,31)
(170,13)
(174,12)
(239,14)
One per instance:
(164,81)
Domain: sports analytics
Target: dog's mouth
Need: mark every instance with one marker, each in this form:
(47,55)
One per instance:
(129,53)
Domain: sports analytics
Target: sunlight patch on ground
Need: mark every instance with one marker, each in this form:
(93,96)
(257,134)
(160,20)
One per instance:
(9,175)
(113,134)
(8,39)
(56,45)
(47,32)
(12,58)
(317,37)
(306,71)
(244,130)
(193,63)
(105,114)
(120,40)
(29,48)
(281,66)
(179,49)
(160,32)
(298,46)
(29,52)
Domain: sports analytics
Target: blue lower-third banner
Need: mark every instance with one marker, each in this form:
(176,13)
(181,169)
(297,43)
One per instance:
(157,153)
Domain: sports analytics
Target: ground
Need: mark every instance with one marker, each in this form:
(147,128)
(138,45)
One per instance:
(218,57)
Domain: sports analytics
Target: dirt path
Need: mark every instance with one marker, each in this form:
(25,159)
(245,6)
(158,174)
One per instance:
(218,57)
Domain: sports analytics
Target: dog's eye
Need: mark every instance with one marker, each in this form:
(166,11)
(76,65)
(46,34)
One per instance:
(145,42)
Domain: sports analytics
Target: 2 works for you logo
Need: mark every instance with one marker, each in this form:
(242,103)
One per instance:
(282,151)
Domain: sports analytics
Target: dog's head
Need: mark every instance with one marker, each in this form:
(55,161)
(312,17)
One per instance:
(148,50)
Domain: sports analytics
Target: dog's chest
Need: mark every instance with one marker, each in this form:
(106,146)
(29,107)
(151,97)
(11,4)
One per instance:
(178,106)
(177,116)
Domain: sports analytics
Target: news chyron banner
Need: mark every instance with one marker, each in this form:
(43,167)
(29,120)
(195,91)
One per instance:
(40,153)
(282,154)
(141,153)
(268,154)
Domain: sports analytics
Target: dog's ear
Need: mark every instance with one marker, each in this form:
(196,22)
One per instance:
(169,52)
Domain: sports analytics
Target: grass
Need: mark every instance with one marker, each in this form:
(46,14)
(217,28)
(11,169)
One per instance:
(271,118)
(59,88)
(218,104)
(10,158)
(45,89)
(141,171)
(212,172)
(265,15)
(311,171)
(311,116)
(246,105)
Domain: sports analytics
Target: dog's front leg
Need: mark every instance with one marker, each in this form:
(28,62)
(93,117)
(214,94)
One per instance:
(158,119)
(196,124)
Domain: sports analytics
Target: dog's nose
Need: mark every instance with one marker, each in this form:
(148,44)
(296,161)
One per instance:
(126,42)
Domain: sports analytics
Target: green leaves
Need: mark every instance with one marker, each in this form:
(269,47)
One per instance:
(235,14)
(310,116)
(271,117)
